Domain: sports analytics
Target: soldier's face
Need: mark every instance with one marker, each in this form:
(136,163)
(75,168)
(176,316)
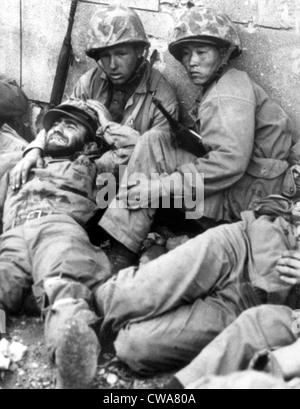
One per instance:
(66,137)
(201,62)
(119,63)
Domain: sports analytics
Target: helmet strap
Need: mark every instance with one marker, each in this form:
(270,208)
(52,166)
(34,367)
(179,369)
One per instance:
(226,54)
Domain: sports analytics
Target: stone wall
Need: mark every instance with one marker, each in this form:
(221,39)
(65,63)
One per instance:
(32,31)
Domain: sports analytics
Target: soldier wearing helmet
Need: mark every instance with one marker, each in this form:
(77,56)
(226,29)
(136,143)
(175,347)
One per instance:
(247,137)
(13,105)
(124,82)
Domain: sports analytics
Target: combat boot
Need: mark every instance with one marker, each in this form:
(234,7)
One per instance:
(72,343)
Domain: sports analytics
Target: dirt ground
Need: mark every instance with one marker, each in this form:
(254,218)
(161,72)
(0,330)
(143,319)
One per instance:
(35,371)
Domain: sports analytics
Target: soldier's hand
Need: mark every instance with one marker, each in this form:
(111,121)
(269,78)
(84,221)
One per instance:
(288,267)
(103,114)
(19,175)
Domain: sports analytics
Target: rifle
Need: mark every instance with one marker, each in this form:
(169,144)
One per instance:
(183,138)
(64,61)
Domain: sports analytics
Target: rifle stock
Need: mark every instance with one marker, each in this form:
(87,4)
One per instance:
(183,138)
(64,61)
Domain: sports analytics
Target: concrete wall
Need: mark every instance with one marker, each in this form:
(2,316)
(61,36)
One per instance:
(32,31)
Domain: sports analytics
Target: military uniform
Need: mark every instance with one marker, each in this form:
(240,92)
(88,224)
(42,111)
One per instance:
(131,103)
(247,138)
(193,293)
(246,344)
(45,246)
(13,102)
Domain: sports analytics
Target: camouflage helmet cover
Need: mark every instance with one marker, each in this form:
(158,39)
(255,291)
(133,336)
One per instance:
(78,110)
(112,26)
(205,25)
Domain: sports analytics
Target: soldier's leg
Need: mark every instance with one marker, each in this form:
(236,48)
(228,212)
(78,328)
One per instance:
(193,271)
(153,154)
(15,271)
(258,329)
(66,269)
(172,340)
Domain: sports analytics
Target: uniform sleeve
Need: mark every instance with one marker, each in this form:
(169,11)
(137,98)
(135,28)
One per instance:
(87,85)
(166,95)
(13,101)
(4,184)
(80,91)
(38,143)
(228,131)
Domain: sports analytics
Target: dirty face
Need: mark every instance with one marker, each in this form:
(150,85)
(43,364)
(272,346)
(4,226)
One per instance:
(200,62)
(66,137)
(120,62)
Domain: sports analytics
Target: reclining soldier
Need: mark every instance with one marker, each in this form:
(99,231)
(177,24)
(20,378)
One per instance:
(123,81)
(263,339)
(45,246)
(164,314)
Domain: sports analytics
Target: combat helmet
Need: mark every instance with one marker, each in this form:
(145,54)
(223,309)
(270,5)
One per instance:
(205,25)
(112,26)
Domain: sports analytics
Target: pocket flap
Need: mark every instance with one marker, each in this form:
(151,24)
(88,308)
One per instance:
(267,168)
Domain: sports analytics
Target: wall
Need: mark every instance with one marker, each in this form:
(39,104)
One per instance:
(32,31)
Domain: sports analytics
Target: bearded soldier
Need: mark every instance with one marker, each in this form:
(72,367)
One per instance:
(124,82)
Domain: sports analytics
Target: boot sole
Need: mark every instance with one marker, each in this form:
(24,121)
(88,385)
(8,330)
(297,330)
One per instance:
(77,357)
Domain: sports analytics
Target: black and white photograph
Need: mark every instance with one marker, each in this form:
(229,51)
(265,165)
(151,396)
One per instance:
(149,197)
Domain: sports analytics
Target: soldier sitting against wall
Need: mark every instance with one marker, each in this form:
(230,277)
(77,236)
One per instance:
(45,246)
(123,81)
(247,138)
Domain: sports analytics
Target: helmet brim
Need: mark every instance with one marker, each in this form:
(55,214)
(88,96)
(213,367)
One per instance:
(95,53)
(176,47)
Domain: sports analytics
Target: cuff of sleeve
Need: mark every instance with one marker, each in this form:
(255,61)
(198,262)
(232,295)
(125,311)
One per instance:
(31,148)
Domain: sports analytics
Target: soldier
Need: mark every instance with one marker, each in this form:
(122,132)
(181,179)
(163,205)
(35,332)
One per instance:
(45,246)
(164,314)
(247,138)
(264,339)
(13,102)
(124,82)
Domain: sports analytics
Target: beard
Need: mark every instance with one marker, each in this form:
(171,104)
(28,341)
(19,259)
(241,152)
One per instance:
(58,151)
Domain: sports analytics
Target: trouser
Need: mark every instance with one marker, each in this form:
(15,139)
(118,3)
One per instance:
(152,154)
(54,256)
(257,330)
(164,314)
